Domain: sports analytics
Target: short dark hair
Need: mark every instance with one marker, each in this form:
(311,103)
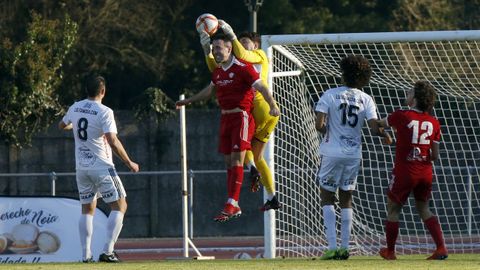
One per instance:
(425,95)
(356,71)
(219,35)
(253,36)
(93,85)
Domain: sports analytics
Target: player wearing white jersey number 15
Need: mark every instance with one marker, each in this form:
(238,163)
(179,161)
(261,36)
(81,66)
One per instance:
(95,133)
(341,113)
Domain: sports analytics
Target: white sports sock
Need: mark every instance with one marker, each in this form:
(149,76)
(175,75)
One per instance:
(114,227)
(347,214)
(85,227)
(329,223)
(270,196)
(118,234)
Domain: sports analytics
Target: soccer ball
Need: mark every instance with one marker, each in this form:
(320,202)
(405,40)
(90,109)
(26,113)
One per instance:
(208,23)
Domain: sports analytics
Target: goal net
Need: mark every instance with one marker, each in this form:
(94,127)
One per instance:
(302,67)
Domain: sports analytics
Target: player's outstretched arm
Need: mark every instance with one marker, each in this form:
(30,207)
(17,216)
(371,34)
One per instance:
(211,63)
(382,122)
(205,42)
(227,29)
(63,126)
(118,149)
(204,94)
(378,130)
(260,86)
(207,50)
(320,123)
(255,57)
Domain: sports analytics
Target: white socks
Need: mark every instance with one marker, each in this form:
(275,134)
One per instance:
(330,226)
(85,227)
(114,227)
(329,223)
(346,228)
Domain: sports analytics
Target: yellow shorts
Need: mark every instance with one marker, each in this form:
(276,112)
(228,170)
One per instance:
(264,122)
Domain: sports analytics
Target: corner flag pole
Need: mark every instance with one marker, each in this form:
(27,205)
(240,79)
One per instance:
(183,161)
(185,193)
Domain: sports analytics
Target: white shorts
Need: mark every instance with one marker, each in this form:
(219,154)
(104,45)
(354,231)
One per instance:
(104,183)
(338,172)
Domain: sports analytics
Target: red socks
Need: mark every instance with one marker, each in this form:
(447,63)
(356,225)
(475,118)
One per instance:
(235,182)
(435,230)
(391,231)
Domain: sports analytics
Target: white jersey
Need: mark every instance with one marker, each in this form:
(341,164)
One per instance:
(346,109)
(91,120)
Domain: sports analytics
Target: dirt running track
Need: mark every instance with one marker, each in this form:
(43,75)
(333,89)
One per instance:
(226,248)
(163,248)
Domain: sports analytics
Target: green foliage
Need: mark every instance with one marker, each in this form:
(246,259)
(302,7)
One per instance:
(30,73)
(426,15)
(154,100)
(324,16)
(153,43)
(133,44)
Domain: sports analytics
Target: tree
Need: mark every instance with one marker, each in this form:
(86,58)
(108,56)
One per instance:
(30,73)
(425,15)
(323,16)
(132,43)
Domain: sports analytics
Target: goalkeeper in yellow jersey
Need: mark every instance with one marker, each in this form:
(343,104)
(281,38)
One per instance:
(247,48)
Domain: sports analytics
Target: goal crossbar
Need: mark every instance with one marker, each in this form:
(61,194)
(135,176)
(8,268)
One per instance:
(374,37)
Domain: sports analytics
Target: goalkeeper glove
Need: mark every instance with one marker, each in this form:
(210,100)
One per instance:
(205,42)
(227,29)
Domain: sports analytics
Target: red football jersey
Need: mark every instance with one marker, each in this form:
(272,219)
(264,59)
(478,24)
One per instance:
(416,132)
(234,85)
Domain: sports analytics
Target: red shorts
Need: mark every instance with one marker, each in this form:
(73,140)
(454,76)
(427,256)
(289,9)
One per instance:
(236,132)
(403,182)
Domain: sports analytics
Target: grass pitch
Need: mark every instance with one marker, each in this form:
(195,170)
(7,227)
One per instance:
(410,262)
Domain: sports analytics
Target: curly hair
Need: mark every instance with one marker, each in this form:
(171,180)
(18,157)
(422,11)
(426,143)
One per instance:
(425,95)
(253,36)
(356,71)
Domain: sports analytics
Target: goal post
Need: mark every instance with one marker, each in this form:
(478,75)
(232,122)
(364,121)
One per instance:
(302,67)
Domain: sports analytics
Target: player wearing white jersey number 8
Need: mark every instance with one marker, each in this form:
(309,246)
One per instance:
(95,134)
(341,113)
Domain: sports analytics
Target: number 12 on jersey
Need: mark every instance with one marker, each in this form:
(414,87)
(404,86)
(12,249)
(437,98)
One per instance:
(424,126)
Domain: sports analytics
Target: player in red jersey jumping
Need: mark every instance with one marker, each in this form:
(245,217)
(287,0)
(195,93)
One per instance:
(234,82)
(418,138)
